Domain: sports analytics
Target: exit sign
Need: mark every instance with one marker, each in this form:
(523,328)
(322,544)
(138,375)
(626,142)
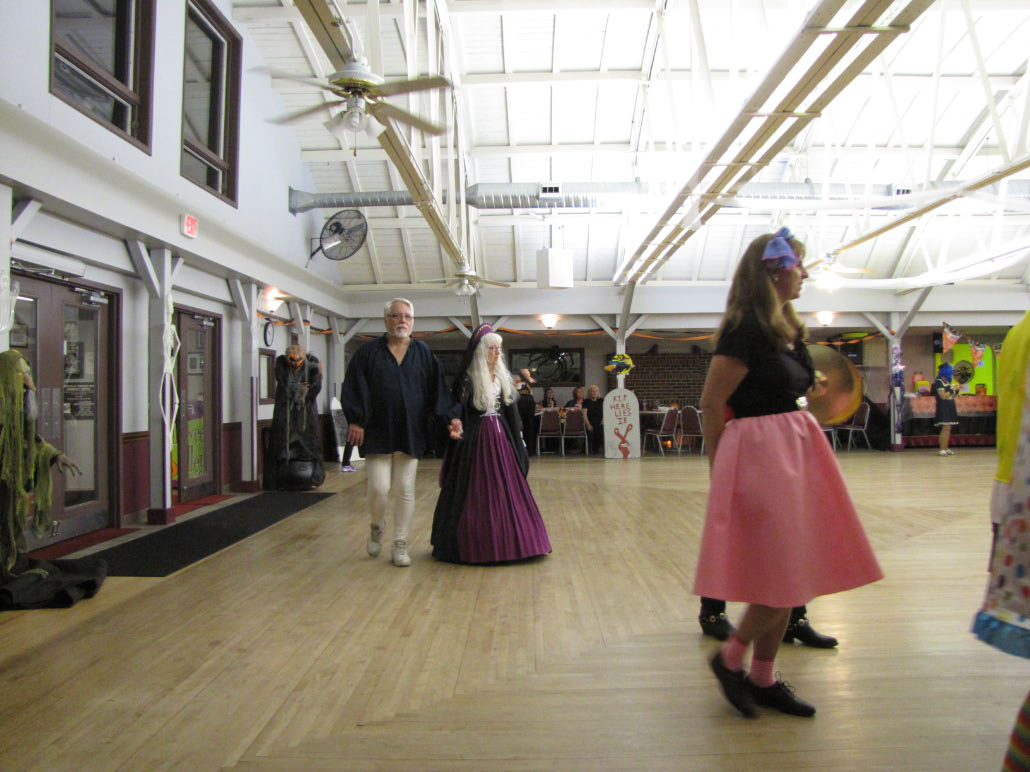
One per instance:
(189,226)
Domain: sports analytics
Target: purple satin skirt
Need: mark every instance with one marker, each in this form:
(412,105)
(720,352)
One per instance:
(500,520)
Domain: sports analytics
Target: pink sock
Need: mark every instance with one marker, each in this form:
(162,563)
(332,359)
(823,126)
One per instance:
(761,672)
(732,653)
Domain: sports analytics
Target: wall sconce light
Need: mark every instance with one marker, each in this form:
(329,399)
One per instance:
(272,300)
(549,320)
(825,318)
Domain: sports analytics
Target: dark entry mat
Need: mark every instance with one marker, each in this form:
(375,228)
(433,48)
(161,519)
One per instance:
(170,549)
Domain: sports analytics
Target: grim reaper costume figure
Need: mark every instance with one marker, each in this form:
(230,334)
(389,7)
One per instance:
(294,461)
(26,501)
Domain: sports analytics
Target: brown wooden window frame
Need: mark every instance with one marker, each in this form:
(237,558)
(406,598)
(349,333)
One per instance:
(266,361)
(139,100)
(227,102)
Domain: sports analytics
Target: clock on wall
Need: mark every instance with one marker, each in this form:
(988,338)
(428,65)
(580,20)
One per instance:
(269,333)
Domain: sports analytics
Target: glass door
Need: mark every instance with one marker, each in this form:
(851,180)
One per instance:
(64,334)
(197,429)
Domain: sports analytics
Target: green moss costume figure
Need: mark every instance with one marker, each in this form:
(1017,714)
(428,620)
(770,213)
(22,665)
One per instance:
(26,501)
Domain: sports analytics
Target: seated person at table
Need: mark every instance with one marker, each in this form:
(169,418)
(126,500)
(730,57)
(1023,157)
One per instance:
(548,399)
(577,398)
(594,405)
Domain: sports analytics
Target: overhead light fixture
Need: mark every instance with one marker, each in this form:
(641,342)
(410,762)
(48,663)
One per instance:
(825,318)
(272,300)
(465,288)
(549,320)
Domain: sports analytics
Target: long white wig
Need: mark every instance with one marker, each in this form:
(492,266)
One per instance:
(479,374)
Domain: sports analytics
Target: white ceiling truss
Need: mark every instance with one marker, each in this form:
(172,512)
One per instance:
(891,135)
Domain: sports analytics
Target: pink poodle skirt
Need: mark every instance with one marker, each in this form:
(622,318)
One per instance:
(780,528)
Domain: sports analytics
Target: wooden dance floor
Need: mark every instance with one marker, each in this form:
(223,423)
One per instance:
(293,650)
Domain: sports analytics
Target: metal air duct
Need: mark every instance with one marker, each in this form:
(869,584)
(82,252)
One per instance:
(597,195)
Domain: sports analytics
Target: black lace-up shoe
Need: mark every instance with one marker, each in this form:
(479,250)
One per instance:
(780,696)
(734,686)
(717,626)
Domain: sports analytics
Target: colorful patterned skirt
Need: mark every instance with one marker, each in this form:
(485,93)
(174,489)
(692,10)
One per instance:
(1004,619)
(780,527)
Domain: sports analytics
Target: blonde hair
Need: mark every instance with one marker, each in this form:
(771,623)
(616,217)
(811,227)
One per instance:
(479,375)
(752,290)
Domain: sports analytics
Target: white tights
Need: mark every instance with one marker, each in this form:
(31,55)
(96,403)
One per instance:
(387,474)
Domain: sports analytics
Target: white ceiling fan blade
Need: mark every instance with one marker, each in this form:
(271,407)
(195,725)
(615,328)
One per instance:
(416,84)
(296,115)
(301,79)
(373,36)
(491,282)
(386,110)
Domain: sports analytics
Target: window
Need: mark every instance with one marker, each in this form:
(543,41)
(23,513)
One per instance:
(210,100)
(102,62)
(551,367)
(266,376)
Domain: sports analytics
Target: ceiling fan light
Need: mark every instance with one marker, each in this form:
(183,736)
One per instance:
(465,288)
(353,119)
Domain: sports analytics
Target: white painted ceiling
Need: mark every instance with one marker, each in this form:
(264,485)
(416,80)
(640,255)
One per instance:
(913,169)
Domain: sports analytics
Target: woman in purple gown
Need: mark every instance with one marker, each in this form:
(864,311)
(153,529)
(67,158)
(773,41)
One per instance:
(486,512)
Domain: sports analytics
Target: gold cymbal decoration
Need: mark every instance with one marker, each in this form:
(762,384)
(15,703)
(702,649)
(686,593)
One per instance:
(835,399)
(963,371)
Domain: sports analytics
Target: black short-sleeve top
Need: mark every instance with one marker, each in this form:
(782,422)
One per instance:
(775,377)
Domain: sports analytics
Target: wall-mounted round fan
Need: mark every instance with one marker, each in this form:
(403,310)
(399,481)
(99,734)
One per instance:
(343,234)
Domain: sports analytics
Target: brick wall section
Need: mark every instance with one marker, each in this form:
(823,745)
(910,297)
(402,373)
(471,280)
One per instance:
(665,378)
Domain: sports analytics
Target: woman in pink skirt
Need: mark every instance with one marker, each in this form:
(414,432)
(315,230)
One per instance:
(780,528)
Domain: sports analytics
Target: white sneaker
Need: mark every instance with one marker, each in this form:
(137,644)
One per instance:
(375,541)
(950,452)
(944,453)
(400,553)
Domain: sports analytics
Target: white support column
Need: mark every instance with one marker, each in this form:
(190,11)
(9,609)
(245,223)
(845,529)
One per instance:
(894,332)
(334,366)
(245,296)
(6,238)
(163,349)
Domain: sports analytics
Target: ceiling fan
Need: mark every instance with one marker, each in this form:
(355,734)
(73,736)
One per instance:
(465,281)
(362,93)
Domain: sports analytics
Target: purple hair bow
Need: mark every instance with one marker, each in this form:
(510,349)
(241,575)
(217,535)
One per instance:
(779,249)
